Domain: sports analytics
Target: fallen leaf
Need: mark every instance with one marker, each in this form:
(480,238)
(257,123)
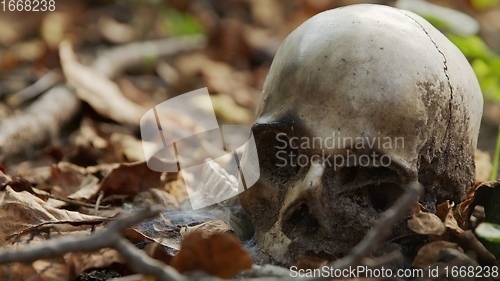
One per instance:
(130,179)
(429,253)
(451,223)
(66,179)
(155,197)
(23,210)
(218,254)
(81,262)
(128,146)
(53,269)
(158,252)
(97,90)
(427,224)
(19,271)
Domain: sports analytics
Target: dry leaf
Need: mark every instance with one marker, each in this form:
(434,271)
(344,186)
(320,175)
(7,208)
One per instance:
(53,270)
(97,90)
(451,223)
(66,179)
(429,253)
(81,262)
(155,197)
(158,252)
(443,209)
(427,224)
(218,254)
(130,179)
(128,146)
(22,210)
(19,271)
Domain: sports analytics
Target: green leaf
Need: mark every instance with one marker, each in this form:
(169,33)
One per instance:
(489,231)
(484,4)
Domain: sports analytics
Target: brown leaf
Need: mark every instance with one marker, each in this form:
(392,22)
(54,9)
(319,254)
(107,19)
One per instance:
(429,253)
(158,252)
(81,262)
(22,210)
(219,254)
(19,271)
(451,223)
(443,209)
(67,179)
(155,197)
(130,179)
(427,224)
(97,90)
(53,270)
(128,146)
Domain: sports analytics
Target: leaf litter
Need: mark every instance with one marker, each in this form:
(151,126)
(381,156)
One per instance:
(72,161)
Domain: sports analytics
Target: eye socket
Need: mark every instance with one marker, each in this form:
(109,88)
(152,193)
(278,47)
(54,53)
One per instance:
(276,156)
(383,196)
(347,174)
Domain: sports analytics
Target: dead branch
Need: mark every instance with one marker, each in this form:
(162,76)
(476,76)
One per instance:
(109,238)
(40,122)
(37,227)
(112,62)
(142,263)
(46,82)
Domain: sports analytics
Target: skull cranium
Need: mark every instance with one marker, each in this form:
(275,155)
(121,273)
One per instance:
(383,91)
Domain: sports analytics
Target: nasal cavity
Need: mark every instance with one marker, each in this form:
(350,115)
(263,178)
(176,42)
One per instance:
(300,222)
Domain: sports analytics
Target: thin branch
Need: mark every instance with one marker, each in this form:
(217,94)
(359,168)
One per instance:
(142,263)
(47,81)
(109,238)
(39,123)
(112,62)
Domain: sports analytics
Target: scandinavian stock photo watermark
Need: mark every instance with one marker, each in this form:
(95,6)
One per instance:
(183,135)
(356,151)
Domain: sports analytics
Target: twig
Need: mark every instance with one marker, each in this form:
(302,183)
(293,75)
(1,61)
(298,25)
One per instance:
(266,271)
(39,123)
(109,238)
(50,223)
(140,262)
(73,201)
(48,80)
(98,202)
(112,62)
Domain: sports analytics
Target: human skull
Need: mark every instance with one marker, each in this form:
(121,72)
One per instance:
(380,89)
